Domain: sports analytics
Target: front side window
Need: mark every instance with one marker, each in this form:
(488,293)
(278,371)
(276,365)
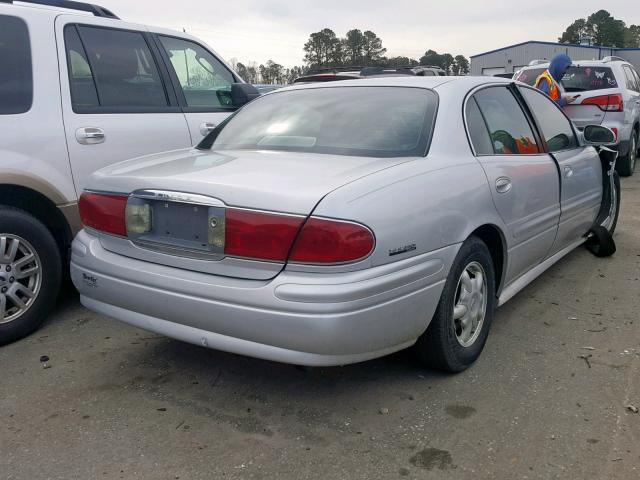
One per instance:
(556,127)
(510,132)
(205,81)
(16,77)
(358,121)
(123,68)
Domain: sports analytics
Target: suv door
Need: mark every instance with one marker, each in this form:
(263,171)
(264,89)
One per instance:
(202,81)
(580,170)
(115,102)
(522,178)
(633,87)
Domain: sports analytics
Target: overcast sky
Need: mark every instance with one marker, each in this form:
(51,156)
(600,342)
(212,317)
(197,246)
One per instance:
(260,30)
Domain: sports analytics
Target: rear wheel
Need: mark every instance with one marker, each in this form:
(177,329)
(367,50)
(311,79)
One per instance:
(459,329)
(30,271)
(627,164)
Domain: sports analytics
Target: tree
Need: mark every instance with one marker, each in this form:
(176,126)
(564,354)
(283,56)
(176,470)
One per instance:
(323,49)
(447,62)
(400,62)
(353,47)
(461,65)
(605,30)
(241,70)
(373,51)
(432,58)
(632,37)
(574,32)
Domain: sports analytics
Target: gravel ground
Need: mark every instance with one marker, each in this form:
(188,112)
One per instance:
(553,396)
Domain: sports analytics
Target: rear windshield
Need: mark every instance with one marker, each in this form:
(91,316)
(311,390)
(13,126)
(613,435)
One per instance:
(359,121)
(577,79)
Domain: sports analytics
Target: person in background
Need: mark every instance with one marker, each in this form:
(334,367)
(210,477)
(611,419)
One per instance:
(550,81)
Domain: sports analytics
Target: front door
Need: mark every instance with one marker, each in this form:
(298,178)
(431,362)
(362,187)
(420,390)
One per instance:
(116,104)
(522,178)
(580,170)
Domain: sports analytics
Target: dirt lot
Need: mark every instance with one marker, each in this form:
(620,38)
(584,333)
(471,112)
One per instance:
(551,397)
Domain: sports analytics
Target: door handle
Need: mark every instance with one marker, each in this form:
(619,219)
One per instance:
(90,135)
(503,184)
(568,172)
(206,127)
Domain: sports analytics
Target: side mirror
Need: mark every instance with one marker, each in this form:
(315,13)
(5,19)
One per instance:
(243,93)
(598,135)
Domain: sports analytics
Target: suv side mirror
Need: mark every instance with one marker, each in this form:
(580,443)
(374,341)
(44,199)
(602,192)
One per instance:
(243,93)
(598,135)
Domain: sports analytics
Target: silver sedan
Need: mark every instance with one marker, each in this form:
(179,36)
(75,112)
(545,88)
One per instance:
(333,223)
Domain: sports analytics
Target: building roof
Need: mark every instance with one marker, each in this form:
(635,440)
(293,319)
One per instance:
(615,49)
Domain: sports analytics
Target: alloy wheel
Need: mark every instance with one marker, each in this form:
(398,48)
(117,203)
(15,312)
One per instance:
(20,277)
(470,304)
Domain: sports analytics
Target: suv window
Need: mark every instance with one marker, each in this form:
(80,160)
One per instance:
(509,129)
(16,77)
(83,88)
(123,69)
(637,77)
(478,129)
(632,84)
(205,81)
(556,127)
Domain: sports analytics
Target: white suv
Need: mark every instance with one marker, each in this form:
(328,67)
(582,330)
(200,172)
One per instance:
(81,89)
(609,92)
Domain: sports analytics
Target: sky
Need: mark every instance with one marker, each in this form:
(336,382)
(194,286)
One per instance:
(261,30)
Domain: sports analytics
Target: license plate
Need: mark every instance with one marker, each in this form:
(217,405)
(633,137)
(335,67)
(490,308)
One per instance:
(185,226)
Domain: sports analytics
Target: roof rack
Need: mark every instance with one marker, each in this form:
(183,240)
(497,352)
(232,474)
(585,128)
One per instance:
(613,58)
(97,10)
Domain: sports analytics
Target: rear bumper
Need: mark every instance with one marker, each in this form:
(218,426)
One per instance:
(299,318)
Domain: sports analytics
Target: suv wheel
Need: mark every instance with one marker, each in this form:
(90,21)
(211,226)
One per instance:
(30,271)
(627,164)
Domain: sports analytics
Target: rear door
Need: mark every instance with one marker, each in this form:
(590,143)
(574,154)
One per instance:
(522,178)
(632,109)
(203,83)
(580,169)
(116,104)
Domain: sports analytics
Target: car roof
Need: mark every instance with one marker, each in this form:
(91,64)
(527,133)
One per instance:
(403,81)
(579,63)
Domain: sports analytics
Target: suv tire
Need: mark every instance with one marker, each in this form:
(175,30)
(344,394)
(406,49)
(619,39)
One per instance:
(30,273)
(446,345)
(626,165)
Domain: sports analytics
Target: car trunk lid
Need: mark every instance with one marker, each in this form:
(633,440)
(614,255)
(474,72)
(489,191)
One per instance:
(188,191)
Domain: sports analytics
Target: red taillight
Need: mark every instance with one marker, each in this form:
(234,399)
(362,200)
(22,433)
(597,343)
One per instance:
(608,103)
(103,212)
(265,236)
(332,241)
(615,132)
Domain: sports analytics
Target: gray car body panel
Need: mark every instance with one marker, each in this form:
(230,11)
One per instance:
(420,209)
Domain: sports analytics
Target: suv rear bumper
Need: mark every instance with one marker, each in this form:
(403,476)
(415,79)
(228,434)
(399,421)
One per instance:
(299,318)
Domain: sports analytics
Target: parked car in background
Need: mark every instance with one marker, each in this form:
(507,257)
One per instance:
(609,95)
(354,73)
(79,90)
(327,224)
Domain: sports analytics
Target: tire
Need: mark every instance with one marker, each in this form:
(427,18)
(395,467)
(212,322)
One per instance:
(601,242)
(616,182)
(626,165)
(22,235)
(444,345)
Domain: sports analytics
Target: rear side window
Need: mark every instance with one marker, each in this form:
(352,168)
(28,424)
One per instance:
(556,128)
(16,77)
(478,132)
(529,76)
(121,66)
(83,88)
(509,129)
(632,84)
